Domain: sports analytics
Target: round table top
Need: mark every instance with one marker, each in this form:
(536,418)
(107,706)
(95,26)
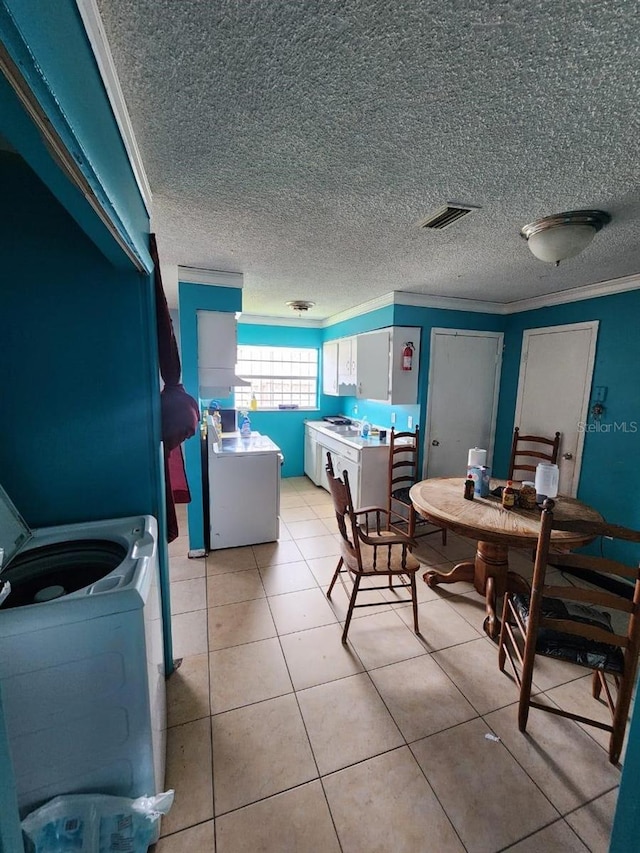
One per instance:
(441,501)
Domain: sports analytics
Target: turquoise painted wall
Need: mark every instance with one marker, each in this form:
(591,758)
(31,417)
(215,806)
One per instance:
(76,366)
(48,41)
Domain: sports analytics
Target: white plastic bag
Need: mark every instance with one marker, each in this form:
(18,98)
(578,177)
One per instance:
(95,823)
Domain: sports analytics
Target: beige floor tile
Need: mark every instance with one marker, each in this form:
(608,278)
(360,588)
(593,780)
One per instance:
(189,774)
(470,605)
(384,804)
(347,722)
(184,568)
(423,592)
(287,577)
(189,631)
(188,691)
(234,587)
(331,524)
(260,750)
(196,839)
(428,555)
(243,622)
(323,568)
(594,821)
(557,838)
(297,611)
(318,655)
(473,668)
(290,498)
(324,510)
(179,547)
(284,534)
(230,560)
(318,497)
(475,800)
(272,553)
(421,698)
(297,513)
(340,596)
(457,548)
(383,638)
(566,764)
(296,821)
(245,674)
(188,595)
(440,625)
(319,546)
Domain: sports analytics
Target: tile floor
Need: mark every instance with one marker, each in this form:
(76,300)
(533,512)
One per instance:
(283,740)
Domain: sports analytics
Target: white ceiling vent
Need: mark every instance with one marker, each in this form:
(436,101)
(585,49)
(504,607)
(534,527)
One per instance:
(445,216)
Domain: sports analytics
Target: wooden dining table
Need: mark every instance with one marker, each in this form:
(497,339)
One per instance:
(441,501)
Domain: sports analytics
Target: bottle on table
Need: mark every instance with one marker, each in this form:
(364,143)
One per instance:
(508,496)
(469,488)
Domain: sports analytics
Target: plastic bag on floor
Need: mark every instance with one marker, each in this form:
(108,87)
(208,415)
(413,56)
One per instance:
(95,823)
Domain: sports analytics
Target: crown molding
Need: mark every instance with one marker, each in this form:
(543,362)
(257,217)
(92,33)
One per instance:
(447,303)
(97,36)
(575,294)
(263,320)
(358,310)
(195,275)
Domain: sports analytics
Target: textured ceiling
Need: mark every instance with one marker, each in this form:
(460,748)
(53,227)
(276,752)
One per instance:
(300,143)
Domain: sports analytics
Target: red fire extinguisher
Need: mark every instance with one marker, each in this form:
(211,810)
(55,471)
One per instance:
(407,356)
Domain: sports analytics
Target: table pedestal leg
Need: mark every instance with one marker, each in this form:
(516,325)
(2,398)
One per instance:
(488,573)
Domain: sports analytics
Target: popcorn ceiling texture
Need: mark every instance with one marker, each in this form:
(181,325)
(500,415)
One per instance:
(301,142)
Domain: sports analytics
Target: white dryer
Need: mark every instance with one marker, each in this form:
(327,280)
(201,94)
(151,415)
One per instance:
(81,657)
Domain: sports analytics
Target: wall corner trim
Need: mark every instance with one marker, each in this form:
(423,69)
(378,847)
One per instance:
(196,275)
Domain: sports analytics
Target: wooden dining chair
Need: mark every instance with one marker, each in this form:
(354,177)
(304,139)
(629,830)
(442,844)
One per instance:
(368,548)
(574,623)
(528,450)
(404,451)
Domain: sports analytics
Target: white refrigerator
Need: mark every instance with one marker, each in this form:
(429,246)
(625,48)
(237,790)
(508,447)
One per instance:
(244,490)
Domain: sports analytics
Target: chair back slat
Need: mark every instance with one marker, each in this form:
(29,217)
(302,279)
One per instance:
(589,632)
(520,452)
(597,597)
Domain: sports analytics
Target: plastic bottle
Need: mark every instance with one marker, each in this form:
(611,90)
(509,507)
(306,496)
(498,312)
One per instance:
(245,425)
(469,488)
(253,405)
(508,496)
(364,428)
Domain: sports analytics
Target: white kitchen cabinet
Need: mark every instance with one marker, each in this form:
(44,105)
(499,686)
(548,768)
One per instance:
(347,362)
(365,460)
(380,371)
(217,352)
(330,368)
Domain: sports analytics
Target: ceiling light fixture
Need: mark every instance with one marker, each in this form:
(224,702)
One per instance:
(563,235)
(300,305)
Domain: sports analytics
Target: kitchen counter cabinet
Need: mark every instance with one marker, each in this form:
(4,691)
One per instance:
(365,460)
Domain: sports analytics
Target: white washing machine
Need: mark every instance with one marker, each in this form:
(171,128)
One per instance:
(81,657)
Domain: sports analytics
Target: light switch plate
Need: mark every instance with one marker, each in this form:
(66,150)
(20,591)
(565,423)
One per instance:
(409,422)
(393,418)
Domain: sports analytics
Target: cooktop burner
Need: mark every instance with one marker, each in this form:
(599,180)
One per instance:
(338,420)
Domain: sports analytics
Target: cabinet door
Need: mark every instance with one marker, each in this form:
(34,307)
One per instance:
(217,340)
(330,368)
(373,365)
(340,465)
(311,455)
(404,383)
(346,361)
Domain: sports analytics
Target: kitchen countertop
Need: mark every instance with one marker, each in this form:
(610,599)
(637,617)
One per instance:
(349,435)
(234,443)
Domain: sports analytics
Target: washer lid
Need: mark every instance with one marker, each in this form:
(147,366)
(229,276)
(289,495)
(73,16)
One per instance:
(14,531)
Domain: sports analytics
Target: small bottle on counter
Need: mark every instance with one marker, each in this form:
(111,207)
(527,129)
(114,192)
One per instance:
(469,488)
(245,425)
(508,496)
(253,405)
(364,428)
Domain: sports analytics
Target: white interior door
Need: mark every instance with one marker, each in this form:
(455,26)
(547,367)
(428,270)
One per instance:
(556,368)
(464,379)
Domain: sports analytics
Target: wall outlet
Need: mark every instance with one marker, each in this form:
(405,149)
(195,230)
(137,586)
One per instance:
(409,422)
(355,410)
(393,418)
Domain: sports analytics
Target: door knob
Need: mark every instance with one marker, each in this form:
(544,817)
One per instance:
(567,455)
(435,443)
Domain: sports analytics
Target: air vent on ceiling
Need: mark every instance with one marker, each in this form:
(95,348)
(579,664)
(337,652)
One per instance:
(445,216)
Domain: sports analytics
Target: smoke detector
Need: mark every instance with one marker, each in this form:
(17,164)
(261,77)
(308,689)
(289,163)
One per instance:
(300,305)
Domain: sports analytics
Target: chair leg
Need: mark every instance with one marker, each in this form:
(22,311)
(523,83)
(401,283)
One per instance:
(596,684)
(414,601)
(502,655)
(444,535)
(335,576)
(352,601)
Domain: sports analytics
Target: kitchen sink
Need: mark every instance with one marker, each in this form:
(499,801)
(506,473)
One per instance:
(343,429)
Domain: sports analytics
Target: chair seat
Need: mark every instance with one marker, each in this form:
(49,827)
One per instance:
(570,647)
(383,565)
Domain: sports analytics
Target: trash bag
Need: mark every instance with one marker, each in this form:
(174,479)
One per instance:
(95,823)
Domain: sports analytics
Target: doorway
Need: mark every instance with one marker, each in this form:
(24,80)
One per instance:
(554,387)
(464,380)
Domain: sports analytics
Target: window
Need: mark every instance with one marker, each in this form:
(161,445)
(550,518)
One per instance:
(279,376)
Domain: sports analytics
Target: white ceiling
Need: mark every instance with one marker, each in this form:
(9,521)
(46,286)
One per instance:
(300,143)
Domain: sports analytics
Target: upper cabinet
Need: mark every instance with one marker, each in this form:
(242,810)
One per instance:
(381,365)
(217,352)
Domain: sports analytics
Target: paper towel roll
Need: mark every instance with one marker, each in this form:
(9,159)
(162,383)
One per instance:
(477,457)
